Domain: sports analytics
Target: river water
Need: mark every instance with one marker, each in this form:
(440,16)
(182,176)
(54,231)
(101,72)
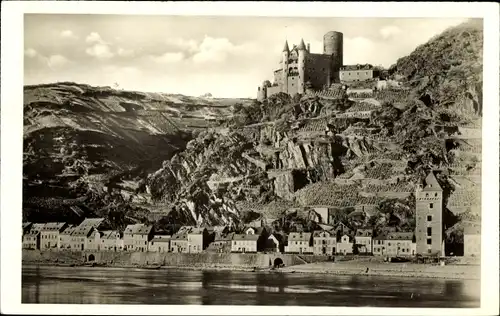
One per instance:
(82,285)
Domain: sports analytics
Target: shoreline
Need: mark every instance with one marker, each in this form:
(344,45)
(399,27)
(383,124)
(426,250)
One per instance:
(449,272)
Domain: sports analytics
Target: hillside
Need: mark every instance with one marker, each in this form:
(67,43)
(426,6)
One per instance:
(133,156)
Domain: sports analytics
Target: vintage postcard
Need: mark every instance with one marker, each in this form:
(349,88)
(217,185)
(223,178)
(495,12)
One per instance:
(304,158)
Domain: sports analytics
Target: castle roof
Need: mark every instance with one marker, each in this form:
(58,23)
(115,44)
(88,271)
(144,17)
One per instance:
(301,46)
(286,48)
(431,183)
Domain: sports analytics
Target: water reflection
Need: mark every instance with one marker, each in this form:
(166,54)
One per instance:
(120,286)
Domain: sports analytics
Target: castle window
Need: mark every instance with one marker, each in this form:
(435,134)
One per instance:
(429,218)
(426,194)
(429,231)
(431,205)
(429,241)
(435,194)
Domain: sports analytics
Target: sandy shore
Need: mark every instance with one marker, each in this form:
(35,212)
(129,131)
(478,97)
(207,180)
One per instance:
(457,272)
(412,270)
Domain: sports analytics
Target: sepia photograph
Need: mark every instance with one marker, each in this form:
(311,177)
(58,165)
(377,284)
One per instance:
(257,160)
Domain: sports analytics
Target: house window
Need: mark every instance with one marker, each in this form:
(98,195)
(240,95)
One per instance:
(435,194)
(429,231)
(429,241)
(429,218)
(431,205)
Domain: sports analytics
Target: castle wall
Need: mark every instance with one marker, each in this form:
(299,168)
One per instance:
(356,75)
(293,85)
(273,90)
(317,70)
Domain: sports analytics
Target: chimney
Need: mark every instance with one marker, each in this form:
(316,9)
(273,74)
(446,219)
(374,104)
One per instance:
(308,47)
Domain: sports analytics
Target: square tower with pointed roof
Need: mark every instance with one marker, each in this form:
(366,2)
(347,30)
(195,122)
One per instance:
(429,217)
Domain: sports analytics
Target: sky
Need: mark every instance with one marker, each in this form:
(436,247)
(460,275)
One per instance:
(224,56)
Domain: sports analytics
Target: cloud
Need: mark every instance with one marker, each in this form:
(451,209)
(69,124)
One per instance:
(30,52)
(55,61)
(213,50)
(182,44)
(101,51)
(68,34)
(359,50)
(168,58)
(123,52)
(389,31)
(94,37)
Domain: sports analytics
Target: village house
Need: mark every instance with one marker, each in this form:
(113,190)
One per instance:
(26,227)
(111,241)
(274,243)
(160,243)
(244,243)
(197,238)
(98,223)
(137,236)
(221,243)
(344,246)
(299,243)
(49,235)
(65,238)
(398,244)
(325,243)
(31,238)
(80,236)
(363,240)
(179,241)
(93,241)
(472,240)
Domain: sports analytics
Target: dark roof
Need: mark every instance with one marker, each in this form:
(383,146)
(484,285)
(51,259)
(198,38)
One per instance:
(94,222)
(53,226)
(400,236)
(317,233)
(161,238)
(431,183)
(69,230)
(138,229)
(245,237)
(299,236)
(301,46)
(366,232)
(82,231)
(109,234)
(286,48)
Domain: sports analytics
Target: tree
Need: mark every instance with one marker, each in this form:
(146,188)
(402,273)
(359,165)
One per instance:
(355,249)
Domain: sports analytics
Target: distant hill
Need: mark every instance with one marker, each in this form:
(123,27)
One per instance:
(448,67)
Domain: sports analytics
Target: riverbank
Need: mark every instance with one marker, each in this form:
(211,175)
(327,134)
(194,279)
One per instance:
(410,270)
(353,267)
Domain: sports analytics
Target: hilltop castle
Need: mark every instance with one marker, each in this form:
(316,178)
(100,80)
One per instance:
(300,70)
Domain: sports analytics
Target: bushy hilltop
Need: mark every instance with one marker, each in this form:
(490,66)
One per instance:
(276,160)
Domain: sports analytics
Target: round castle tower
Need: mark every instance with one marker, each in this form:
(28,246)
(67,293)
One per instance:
(301,65)
(333,45)
(285,57)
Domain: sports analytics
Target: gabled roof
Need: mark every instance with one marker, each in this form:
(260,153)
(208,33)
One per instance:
(245,237)
(56,226)
(161,238)
(109,234)
(27,224)
(223,237)
(431,183)
(182,236)
(69,230)
(37,227)
(94,222)
(299,236)
(197,230)
(138,229)
(257,230)
(280,238)
(83,231)
(317,233)
(400,236)
(365,232)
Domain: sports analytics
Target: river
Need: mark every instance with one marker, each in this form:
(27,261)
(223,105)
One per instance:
(93,285)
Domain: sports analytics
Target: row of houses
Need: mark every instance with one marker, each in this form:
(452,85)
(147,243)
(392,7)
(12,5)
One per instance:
(141,238)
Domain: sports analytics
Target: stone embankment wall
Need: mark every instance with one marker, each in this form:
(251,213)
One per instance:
(165,259)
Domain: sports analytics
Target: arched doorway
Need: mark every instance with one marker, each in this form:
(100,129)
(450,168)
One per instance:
(278,262)
(91,258)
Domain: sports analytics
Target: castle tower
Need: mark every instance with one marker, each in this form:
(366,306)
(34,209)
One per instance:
(333,45)
(284,66)
(302,66)
(429,217)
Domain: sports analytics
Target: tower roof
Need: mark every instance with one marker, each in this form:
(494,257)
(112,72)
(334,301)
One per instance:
(431,183)
(286,49)
(301,46)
